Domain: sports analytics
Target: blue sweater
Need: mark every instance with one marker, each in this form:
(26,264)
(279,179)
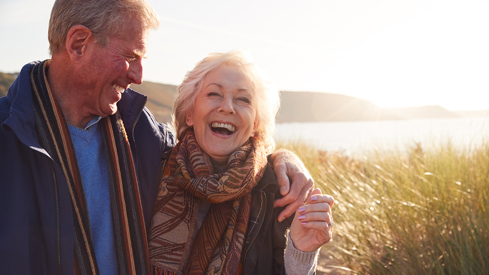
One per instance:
(92,163)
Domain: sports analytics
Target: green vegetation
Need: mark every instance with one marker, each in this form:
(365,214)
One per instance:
(416,212)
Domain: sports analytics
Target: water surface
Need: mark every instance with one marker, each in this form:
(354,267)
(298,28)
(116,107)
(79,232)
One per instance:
(359,136)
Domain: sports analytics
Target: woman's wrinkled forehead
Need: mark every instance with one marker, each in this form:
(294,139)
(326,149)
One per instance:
(241,68)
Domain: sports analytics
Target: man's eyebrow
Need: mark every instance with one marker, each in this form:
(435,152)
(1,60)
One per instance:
(139,54)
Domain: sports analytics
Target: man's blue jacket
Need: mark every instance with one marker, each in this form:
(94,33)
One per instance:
(36,222)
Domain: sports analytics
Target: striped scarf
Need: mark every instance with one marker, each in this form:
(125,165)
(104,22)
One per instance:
(188,178)
(129,228)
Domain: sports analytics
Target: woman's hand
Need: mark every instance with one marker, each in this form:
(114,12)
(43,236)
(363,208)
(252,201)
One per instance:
(312,226)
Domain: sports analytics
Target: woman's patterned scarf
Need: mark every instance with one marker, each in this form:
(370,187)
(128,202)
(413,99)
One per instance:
(189,178)
(129,227)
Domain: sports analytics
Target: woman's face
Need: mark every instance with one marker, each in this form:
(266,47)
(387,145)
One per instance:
(224,115)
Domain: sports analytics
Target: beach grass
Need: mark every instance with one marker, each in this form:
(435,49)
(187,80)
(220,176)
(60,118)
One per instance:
(415,211)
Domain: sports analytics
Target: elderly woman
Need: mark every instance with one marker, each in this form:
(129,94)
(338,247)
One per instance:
(214,212)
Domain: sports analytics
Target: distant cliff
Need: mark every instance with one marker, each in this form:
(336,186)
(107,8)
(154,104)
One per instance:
(424,112)
(295,106)
(5,81)
(305,107)
(320,107)
(160,99)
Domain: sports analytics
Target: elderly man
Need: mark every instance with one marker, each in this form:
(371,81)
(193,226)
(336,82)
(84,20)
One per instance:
(79,152)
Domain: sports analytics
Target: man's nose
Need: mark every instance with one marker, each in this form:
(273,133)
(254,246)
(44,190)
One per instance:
(135,72)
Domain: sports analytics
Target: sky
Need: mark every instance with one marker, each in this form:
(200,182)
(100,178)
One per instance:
(393,53)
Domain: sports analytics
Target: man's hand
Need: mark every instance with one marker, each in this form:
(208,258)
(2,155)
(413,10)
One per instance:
(287,165)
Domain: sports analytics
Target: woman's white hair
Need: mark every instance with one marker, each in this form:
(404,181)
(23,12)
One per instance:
(267,99)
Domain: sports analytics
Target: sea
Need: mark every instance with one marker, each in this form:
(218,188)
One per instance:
(358,137)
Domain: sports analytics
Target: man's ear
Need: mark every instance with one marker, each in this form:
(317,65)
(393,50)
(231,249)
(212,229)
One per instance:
(76,41)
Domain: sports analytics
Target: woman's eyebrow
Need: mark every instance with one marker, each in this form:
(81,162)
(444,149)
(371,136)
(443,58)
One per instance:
(213,83)
(220,86)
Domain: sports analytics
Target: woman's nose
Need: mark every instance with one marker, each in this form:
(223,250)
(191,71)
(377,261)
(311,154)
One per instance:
(226,107)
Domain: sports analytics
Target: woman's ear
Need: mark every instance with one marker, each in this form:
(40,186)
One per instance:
(189,120)
(77,39)
(255,126)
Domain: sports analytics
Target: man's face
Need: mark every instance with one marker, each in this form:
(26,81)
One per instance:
(109,70)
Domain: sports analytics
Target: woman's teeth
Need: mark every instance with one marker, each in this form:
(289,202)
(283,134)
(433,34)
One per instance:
(228,127)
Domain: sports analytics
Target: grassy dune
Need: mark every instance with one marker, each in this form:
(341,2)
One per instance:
(424,211)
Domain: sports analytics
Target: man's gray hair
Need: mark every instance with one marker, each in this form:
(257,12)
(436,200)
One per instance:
(105,18)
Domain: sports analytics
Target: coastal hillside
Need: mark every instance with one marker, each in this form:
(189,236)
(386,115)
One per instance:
(307,107)
(160,99)
(321,107)
(6,80)
(295,106)
(475,113)
(425,112)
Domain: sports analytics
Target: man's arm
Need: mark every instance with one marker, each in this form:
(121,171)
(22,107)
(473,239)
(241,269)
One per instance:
(287,166)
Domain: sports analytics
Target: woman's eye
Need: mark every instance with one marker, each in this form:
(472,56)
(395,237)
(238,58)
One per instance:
(212,94)
(245,100)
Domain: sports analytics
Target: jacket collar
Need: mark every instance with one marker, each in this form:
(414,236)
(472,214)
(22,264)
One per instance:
(130,107)
(21,114)
(268,183)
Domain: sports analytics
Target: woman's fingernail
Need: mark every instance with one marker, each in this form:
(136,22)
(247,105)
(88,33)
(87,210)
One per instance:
(314,198)
(303,223)
(301,217)
(301,209)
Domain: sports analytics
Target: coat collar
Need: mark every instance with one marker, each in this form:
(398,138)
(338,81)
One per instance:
(268,183)
(130,107)
(21,113)
(21,119)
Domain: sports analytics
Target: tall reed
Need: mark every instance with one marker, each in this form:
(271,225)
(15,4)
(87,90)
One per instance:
(420,211)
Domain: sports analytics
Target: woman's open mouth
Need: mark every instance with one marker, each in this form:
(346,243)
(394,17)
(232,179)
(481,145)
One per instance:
(222,128)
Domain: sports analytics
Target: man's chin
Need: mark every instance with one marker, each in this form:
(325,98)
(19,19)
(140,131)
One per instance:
(112,109)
